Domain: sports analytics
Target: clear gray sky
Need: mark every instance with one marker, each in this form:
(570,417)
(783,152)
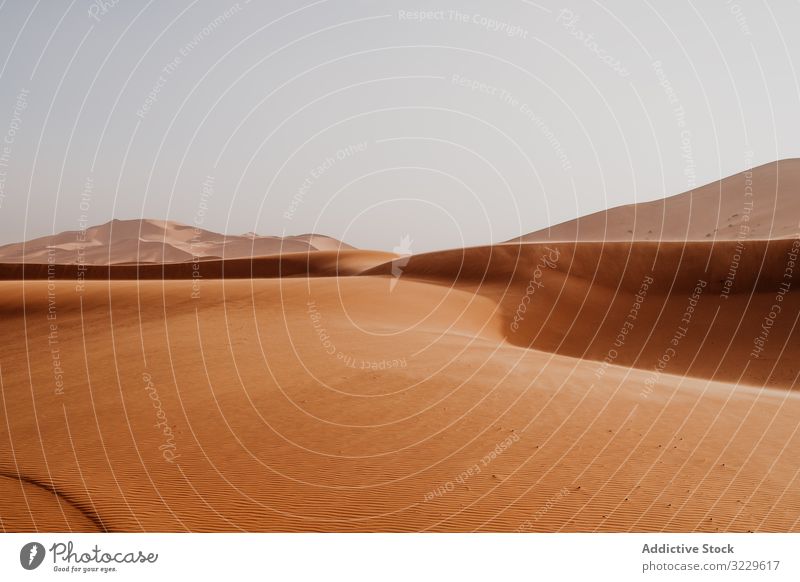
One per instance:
(453,123)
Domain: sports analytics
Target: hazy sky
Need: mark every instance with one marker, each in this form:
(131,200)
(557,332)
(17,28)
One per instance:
(453,123)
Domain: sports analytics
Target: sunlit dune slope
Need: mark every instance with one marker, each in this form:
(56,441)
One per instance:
(762,203)
(350,404)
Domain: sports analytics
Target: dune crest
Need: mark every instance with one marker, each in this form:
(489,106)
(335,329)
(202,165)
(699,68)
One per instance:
(761,203)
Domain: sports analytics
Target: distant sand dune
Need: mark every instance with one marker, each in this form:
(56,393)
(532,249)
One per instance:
(155,241)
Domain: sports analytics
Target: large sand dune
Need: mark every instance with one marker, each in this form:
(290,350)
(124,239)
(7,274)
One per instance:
(530,386)
(335,404)
(762,203)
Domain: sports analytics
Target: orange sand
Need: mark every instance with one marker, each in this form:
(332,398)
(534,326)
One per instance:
(475,389)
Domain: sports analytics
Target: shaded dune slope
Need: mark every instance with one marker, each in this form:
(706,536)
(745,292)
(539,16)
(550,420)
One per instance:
(307,264)
(724,309)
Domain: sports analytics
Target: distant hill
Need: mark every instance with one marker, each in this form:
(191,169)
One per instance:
(155,241)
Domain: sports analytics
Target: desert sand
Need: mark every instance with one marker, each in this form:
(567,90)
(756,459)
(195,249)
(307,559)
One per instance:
(565,381)
(145,241)
(764,199)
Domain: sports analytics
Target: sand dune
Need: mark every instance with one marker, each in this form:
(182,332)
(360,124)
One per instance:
(155,241)
(632,304)
(619,385)
(337,404)
(759,204)
(310,264)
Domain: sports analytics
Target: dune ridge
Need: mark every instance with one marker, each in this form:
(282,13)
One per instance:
(326,263)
